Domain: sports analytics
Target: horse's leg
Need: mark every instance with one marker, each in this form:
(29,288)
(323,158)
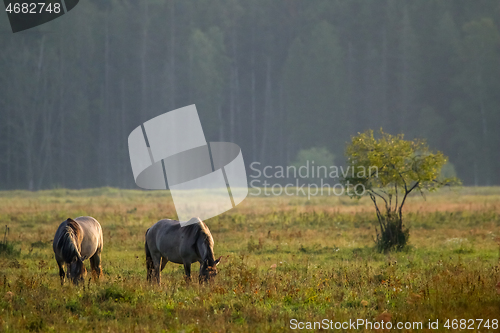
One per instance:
(149,269)
(187,270)
(95,265)
(149,261)
(67,271)
(158,270)
(61,272)
(163,263)
(153,265)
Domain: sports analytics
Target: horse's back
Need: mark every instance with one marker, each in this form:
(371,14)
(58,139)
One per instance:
(173,242)
(92,235)
(163,240)
(88,222)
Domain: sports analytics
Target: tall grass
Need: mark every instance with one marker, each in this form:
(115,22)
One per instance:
(283,258)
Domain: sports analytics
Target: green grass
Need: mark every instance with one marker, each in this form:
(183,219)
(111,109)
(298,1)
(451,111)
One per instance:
(283,258)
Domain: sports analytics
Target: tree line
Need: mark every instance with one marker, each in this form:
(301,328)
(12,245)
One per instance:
(275,77)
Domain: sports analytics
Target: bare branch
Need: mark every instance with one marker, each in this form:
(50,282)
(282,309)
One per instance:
(396,190)
(379,215)
(373,191)
(404,199)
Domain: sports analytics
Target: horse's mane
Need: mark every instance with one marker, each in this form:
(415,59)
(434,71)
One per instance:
(198,231)
(71,240)
(204,232)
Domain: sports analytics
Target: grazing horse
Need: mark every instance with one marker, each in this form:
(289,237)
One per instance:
(168,241)
(75,241)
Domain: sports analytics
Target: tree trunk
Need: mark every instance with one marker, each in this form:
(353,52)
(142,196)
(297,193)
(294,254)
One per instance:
(384,79)
(484,127)
(268,106)
(233,88)
(104,124)
(172,57)
(145,37)
(62,123)
(252,92)
(30,122)
(124,163)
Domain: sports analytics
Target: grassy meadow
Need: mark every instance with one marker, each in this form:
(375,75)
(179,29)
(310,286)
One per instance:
(284,258)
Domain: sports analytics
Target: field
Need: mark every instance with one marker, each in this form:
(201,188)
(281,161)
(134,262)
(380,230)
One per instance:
(284,258)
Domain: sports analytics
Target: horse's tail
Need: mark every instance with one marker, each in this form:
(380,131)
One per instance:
(149,259)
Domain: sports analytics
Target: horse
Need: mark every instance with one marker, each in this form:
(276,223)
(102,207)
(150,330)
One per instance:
(167,241)
(74,242)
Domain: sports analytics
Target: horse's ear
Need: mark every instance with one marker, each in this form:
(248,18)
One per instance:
(70,219)
(218,261)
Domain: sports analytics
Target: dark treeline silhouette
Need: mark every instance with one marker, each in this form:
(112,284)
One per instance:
(272,76)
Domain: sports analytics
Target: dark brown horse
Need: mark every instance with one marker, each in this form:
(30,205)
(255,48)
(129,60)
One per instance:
(75,241)
(168,241)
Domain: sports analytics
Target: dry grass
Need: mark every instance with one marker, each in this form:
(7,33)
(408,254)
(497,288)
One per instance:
(285,258)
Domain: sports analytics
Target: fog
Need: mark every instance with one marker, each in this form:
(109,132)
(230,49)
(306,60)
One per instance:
(274,77)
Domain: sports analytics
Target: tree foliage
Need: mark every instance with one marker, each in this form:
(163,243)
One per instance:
(388,169)
(274,77)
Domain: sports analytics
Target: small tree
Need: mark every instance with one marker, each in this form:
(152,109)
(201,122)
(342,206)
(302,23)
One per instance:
(388,169)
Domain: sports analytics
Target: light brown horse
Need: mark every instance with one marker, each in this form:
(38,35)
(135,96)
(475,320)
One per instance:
(167,241)
(75,241)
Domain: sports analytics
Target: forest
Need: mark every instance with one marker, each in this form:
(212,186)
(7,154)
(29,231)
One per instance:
(274,77)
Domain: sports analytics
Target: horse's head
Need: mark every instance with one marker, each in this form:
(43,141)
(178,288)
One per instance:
(207,271)
(77,270)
